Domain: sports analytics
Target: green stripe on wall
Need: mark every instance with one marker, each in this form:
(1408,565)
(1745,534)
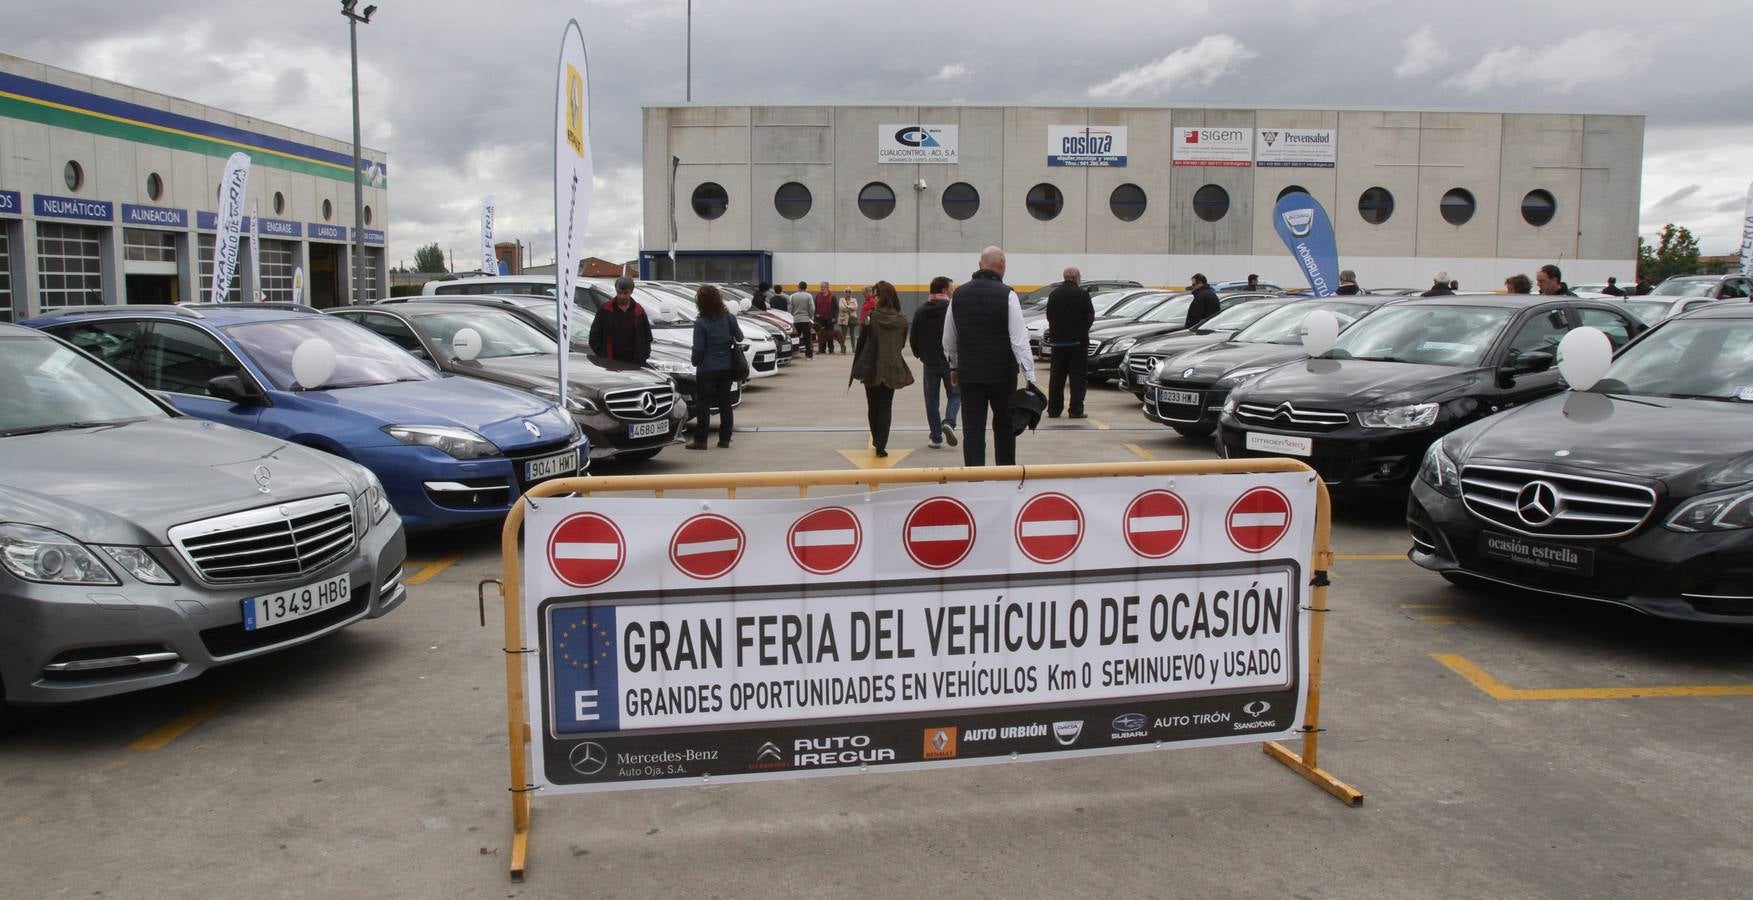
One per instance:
(60,118)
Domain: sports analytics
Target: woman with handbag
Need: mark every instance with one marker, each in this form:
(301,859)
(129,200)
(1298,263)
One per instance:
(716,363)
(879,363)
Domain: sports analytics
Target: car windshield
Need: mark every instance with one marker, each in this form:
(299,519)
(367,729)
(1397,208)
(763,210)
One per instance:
(47,386)
(1650,311)
(1173,311)
(1240,316)
(1689,287)
(1424,333)
(665,310)
(362,358)
(502,334)
(1284,325)
(1710,359)
(1109,299)
(1133,305)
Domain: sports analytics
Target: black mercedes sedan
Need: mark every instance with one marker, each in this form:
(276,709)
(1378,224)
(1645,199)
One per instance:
(1414,370)
(1188,392)
(1141,361)
(1637,492)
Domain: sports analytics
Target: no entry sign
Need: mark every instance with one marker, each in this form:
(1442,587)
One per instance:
(586,549)
(707,546)
(938,533)
(826,540)
(1258,519)
(1156,523)
(1049,528)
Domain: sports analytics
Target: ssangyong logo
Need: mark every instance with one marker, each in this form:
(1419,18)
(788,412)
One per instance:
(1299,221)
(1067,733)
(915,136)
(1130,725)
(1257,708)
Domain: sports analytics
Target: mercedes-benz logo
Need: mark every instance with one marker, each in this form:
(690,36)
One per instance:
(588,758)
(647,403)
(263,475)
(532,429)
(1537,503)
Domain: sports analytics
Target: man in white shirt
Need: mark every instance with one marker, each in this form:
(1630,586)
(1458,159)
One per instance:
(803,316)
(987,347)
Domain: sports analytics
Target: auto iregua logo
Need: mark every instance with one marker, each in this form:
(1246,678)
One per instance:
(940,743)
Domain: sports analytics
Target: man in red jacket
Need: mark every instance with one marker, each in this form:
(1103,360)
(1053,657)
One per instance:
(826,309)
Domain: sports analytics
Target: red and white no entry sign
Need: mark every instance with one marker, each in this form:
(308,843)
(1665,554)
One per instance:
(1258,519)
(1156,523)
(1049,528)
(939,533)
(825,540)
(707,546)
(586,549)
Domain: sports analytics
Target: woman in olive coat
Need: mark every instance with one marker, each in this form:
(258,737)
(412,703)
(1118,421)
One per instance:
(880,364)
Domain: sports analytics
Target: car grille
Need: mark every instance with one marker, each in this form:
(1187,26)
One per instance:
(1094,346)
(1290,418)
(272,543)
(633,403)
(1141,367)
(1580,507)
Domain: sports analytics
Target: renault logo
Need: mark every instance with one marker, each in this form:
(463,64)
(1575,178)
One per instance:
(588,758)
(647,403)
(1537,503)
(532,429)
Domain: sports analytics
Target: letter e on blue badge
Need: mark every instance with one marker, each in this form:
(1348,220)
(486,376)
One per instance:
(586,669)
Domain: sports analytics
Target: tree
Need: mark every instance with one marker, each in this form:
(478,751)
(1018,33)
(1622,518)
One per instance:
(1675,253)
(431,259)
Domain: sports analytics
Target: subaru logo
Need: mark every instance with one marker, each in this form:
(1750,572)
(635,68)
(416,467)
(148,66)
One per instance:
(588,758)
(1537,503)
(262,476)
(1299,221)
(1257,708)
(647,403)
(1066,733)
(532,429)
(1129,722)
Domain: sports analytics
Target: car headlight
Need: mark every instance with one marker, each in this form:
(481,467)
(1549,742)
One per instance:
(138,562)
(1439,471)
(460,443)
(670,366)
(372,504)
(37,554)
(1121,344)
(574,403)
(1726,511)
(1229,405)
(1244,374)
(1417,415)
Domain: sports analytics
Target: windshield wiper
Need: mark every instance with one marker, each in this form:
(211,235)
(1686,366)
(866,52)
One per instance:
(64,426)
(1392,359)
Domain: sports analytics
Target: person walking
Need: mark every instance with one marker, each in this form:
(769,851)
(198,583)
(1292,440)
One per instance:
(826,309)
(759,301)
(1348,283)
(1439,286)
(987,346)
(1613,289)
(927,342)
(1069,316)
(880,365)
(1550,281)
(847,319)
(1205,303)
(716,334)
(1643,286)
(621,331)
(803,312)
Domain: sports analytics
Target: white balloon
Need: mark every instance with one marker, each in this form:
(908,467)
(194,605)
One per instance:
(312,363)
(466,344)
(1583,357)
(1320,330)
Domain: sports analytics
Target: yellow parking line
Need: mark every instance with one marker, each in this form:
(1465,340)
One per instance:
(1098,423)
(1146,454)
(1497,690)
(429,571)
(161,736)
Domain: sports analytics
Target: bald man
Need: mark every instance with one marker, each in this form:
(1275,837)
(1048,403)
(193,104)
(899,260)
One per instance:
(987,347)
(1069,316)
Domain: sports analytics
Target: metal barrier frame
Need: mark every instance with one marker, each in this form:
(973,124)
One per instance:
(511,586)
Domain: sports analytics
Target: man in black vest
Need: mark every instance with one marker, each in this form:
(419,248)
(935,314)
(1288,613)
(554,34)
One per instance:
(1069,314)
(987,346)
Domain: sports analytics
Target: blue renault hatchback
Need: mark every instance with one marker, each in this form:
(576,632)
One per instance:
(449,451)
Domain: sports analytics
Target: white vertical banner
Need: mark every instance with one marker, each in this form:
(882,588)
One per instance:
(298,285)
(256,251)
(1747,235)
(489,262)
(232,188)
(572,178)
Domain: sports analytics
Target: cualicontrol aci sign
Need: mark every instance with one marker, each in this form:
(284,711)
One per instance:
(914,627)
(1086,145)
(917,143)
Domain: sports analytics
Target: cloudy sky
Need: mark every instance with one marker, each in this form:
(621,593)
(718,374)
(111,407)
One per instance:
(458,92)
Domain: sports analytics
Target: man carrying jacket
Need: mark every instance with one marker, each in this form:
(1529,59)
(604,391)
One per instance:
(987,347)
(1069,316)
(926,337)
(1205,303)
(621,331)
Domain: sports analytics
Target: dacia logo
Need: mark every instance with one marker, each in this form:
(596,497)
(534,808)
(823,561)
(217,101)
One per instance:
(1299,221)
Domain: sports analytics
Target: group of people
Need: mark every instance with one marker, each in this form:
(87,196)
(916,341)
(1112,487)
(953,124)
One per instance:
(823,321)
(1549,281)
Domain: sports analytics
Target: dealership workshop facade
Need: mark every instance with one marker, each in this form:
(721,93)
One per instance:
(108,194)
(852,194)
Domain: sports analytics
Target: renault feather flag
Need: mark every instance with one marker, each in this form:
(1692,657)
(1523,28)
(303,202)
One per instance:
(256,251)
(1308,233)
(572,178)
(298,285)
(489,262)
(232,188)
(1747,235)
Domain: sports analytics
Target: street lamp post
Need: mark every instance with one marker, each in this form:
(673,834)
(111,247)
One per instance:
(354,20)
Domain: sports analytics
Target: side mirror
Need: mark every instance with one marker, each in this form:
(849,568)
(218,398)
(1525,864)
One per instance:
(1529,363)
(235,389)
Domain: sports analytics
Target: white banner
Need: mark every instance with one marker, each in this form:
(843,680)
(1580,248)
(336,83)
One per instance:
(899,626)
(489,262)
(1214,147)
(1747,236)
(255,252)
(298,285)
(232,188)
(917,143)
(1086,145)
(1303,148)
(573,168)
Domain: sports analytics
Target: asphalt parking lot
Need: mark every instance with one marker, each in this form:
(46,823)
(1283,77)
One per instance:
(1508,746)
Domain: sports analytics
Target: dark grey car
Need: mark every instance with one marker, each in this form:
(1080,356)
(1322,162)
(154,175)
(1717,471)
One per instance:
(140,547)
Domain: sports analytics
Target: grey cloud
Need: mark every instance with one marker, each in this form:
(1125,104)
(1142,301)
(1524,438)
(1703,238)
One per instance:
(1675,197)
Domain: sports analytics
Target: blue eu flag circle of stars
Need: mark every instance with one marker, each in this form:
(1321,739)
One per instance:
(586,651)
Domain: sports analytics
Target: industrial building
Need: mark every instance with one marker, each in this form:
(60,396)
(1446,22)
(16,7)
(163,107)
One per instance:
(108,194)
(851,194)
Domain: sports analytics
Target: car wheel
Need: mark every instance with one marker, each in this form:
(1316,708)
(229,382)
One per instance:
(1195,431)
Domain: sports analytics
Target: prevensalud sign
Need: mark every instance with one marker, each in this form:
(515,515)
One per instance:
(917,143)
(1309,148)
(1214,147)
(918,626)
(1086,145)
